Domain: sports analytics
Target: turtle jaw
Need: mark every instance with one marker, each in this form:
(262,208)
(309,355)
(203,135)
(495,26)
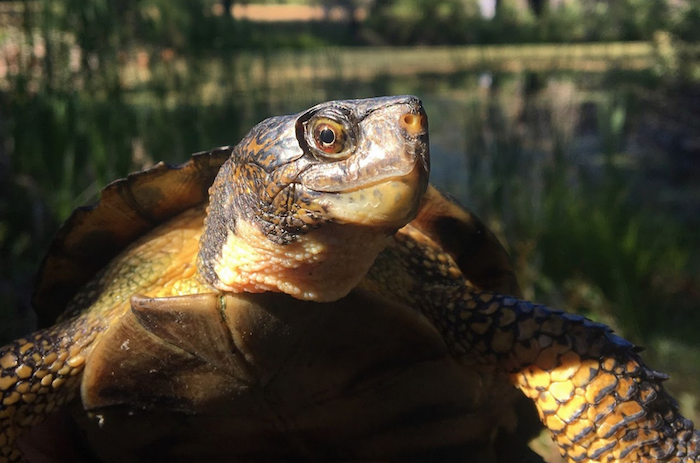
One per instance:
(382,183)
(344,233)
(386,206)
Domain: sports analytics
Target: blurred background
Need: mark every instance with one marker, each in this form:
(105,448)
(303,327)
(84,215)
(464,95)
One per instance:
(572,127)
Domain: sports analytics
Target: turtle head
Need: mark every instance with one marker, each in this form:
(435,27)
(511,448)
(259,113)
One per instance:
(366,162)
(306,201)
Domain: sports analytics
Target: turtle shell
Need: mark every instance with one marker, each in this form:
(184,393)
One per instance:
(128,208)
(285,378)
(131,207)
(360,379)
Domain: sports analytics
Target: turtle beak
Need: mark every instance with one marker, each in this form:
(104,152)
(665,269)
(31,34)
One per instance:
(384,181)
(415,127)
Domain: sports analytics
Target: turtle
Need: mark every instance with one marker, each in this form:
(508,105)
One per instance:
(307,295)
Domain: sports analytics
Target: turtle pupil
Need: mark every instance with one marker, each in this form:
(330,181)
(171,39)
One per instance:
(326,136)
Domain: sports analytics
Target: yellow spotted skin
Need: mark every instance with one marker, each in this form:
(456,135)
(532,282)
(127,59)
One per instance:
(41,372)
(590,387)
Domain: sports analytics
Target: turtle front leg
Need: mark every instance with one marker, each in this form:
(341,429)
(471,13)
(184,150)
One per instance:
(590,386)
(38,374)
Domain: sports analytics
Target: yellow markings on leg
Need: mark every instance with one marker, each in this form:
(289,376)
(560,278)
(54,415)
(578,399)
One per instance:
(9,360)
(589,386)
(41,373)
(35,378)
(603,409)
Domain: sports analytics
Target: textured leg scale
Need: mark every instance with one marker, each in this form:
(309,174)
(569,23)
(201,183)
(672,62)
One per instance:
(38,374)
(591,388)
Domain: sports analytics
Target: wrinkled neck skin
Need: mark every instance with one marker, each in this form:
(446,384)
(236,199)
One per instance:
(257,241)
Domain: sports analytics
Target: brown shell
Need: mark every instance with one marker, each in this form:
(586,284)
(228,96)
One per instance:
(305,387)
(474,247)
(128,208)
(131,207)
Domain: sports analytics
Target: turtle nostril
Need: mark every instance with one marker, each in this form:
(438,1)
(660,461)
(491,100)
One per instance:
(413,124)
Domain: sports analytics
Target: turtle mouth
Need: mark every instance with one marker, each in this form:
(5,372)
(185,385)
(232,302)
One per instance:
(348,178)
(385,201)
(375,176)
(391,203)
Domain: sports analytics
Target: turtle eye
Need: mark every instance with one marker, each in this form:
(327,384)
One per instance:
(329,136)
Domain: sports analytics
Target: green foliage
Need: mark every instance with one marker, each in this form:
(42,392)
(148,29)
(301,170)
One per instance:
(619,250)
(404,22)
(639,19)
(571,22)
(580,239)
(510,25)
(686,23)
(419,22)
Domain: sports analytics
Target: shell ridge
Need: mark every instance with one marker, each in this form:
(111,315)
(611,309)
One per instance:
(91,236)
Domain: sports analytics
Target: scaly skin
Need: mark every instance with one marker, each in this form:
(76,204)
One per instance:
(591,388)
(42,372)
(39,374)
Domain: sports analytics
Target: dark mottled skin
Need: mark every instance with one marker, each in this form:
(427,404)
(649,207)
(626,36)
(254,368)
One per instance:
(592,389)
